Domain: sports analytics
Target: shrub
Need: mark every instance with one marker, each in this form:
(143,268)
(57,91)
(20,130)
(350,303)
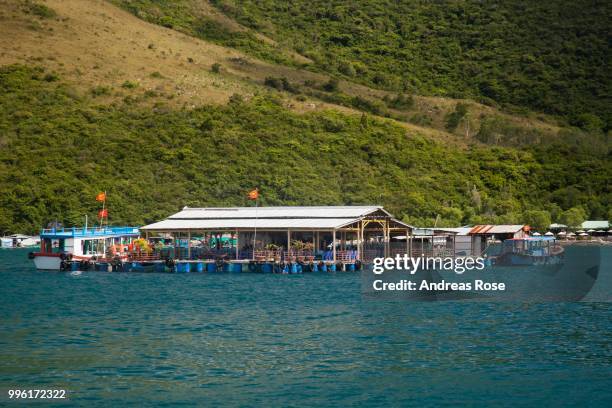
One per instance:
(333,85)
(129,85)
(453,118)
(100,90)
(51,77)
(39,10)
(282,84)
(401,101)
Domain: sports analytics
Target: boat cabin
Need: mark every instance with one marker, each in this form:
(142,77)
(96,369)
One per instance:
(81,243)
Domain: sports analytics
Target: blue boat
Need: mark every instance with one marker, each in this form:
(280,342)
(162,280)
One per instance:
(61,246)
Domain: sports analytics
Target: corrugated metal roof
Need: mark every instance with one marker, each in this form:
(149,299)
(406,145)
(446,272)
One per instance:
(266,218)
(282,223)
(275,212)
(595,225)
(496,229)
(456,231)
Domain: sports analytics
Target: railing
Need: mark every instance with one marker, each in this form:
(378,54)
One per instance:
(294,255)
(268,255)
(143,257)
(88,232)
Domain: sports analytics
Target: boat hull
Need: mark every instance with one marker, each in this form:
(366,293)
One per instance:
(47,263)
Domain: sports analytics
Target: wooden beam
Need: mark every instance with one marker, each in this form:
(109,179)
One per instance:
(288,240)
(189,245)
(334,244)
(237,245)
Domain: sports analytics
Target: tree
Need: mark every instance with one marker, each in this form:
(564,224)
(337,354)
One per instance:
(574,217)
(538,219)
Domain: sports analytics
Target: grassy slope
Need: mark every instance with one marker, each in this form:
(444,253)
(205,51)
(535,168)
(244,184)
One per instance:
(551,56)
(74,129)
(200,19)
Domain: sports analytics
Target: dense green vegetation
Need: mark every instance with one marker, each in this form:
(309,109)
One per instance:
(550,56)
(58,148)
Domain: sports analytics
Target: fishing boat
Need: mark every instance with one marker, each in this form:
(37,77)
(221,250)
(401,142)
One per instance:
(534,250)
(61,246)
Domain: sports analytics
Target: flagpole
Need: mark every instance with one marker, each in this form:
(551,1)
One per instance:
(103,206)
(255,234)
(102,217)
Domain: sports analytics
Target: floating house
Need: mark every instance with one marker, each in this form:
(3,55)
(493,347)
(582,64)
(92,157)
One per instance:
(473,241)
(328,233)
(18,241)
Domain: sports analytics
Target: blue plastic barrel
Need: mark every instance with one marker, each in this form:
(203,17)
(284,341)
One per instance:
(324,268)
(315,267)
(266,268)
(187,267)
(351,267)
(74,266)
(332,268)
(211,267)
(229,267)
(200,267)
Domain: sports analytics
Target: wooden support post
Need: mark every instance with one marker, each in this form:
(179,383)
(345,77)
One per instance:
(314,243)
(407,242)
(410,247)
(176,244)
(189,244)
(359,253)
(288,241)
(237,245)
(334,245)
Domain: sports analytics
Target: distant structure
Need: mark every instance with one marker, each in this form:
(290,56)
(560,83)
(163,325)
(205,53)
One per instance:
(595,225)
(474,240)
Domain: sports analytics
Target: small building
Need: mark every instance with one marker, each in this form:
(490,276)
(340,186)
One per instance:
(334,233)
(483,234)
(595,225)
(473,241)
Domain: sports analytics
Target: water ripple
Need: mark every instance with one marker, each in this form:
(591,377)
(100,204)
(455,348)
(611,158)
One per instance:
(291,340)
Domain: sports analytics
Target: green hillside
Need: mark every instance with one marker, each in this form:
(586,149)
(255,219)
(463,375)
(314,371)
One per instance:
(58,147)
(550,56)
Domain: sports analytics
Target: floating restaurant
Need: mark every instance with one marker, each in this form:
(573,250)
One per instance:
(327,235)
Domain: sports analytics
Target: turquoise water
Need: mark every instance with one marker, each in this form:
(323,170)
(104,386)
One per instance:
(290,340)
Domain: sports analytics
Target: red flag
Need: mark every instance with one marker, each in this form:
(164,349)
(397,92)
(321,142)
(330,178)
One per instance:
(103,213)
(254,194)
(101,197)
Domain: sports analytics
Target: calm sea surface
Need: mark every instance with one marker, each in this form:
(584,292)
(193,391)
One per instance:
(290,340)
